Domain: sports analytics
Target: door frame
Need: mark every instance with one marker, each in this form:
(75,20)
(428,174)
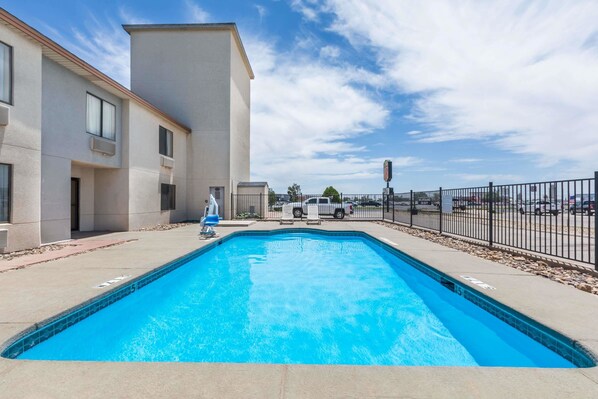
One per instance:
(222,199)
(77,181)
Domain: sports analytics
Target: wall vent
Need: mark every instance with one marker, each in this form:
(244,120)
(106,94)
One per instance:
(3,238)
(103,146)
(166,162)
(4,115)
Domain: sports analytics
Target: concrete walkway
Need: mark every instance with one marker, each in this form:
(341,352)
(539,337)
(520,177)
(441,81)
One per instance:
(70,248)
(33,294)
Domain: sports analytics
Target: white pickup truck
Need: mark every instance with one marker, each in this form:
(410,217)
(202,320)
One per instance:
(325,207)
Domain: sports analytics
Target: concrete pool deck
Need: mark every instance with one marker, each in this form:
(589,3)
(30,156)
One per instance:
(36,293)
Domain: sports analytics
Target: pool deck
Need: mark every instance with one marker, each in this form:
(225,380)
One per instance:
(38,292)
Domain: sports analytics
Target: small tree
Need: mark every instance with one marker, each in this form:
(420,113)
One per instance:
(332,193)
(271,197)
(294,191)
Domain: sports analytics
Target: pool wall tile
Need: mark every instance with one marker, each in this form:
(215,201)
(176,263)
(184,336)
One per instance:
(567,348)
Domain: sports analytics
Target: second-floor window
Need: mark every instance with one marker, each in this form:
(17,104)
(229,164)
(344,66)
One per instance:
(101,117)
(5,73)
(165,142)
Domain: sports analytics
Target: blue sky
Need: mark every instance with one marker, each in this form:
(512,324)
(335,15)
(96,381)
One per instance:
(456,93)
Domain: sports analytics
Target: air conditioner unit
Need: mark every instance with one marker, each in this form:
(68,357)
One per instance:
(103,146)
(3,238)
(166,162)
(4,115)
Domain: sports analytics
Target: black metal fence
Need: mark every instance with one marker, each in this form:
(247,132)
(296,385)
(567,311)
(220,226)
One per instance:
(556,218)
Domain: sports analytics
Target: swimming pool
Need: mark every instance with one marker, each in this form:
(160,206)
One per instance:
(297,297)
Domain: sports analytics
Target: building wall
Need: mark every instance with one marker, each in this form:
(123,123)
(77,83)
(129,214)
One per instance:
(65,140)
(239,117)
(146,173)
(64,116)
(195,88)
(55,199)
(20,142)
(111,199)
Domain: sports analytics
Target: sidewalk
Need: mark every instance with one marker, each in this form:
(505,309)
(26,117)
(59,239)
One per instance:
(69,248)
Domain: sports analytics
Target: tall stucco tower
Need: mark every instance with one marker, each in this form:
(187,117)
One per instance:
(199,74)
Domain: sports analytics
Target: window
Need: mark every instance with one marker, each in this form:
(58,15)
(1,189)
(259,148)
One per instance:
(165,142)
(168,197)
(101,117)
(5,192)
(312,201)
(323,201)
(5,73)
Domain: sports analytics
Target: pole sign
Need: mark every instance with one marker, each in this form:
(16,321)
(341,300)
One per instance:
(387,170)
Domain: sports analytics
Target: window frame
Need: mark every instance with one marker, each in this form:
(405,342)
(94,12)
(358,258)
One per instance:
(102,101)
(11,66)
(170,199)
(10,192)
(168,133)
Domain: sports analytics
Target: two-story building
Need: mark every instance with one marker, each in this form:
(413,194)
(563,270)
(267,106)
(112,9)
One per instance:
(79,151)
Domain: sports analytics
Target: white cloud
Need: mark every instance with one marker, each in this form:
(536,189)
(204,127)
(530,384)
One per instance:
(196,13)
(330,52)
(518,73)
(466,160)
(485,178)
(261,10)
(105,45)
(128,17)
(304,117)
(308,8)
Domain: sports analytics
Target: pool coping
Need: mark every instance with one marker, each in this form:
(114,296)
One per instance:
(354,369)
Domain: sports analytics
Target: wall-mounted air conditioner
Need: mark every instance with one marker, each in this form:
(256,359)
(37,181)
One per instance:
(4,115)
(3,238)
(166,162)
(103,146)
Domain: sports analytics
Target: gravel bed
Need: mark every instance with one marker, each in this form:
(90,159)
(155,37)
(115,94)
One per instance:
(33,251)
(164,227)
(574,276)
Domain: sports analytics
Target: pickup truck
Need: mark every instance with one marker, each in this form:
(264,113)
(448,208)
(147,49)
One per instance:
(538,207)
(325,207)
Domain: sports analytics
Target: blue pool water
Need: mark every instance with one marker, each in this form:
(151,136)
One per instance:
(297,298)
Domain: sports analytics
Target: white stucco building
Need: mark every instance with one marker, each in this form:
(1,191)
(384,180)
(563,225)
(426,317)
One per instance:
(79,151)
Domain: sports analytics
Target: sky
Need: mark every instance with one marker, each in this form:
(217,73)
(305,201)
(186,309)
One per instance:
(455,93)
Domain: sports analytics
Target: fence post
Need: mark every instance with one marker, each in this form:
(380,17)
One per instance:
(595,219)
(411,208)
(490,213)
(440,209)
(232,209)
(393,207)
(261,205)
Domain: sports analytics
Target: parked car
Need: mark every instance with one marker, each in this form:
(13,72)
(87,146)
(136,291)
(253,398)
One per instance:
(539,207)
(459,204)
(325,207)
(370,203)
(586,207)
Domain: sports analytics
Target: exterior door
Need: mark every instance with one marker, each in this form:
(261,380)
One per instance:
(74,204)
(218,193)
